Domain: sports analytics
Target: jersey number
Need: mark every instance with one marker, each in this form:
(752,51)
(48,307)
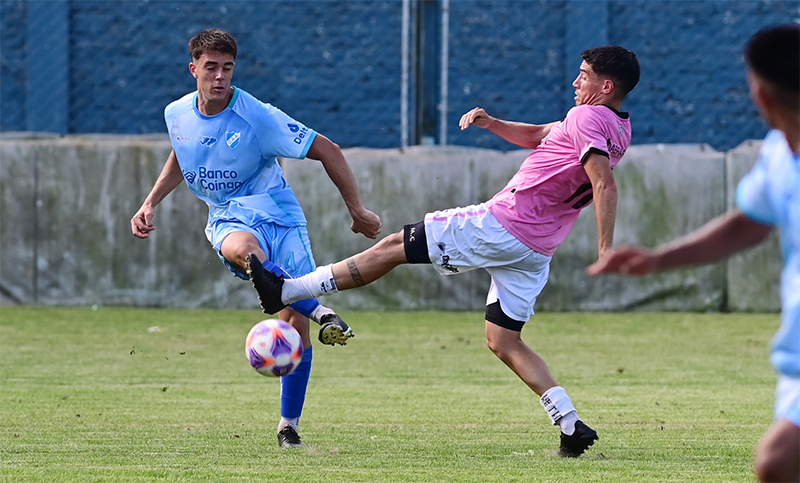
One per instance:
(583,199)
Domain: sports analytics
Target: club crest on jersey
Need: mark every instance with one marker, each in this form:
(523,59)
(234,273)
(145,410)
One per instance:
(621,129)
(232,138)
(208,141)
(189,175)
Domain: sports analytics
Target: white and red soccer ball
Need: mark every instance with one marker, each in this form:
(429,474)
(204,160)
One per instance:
(274,348)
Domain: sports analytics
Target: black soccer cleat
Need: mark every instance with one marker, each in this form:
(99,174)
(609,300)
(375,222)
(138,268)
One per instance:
(267,284)
(334,330)
(575,444)
(288,438)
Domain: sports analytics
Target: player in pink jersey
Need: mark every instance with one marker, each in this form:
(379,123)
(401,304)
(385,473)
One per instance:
(514,235)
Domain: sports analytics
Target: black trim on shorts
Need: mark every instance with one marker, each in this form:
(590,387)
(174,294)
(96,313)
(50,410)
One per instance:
(495,315)
(415,243)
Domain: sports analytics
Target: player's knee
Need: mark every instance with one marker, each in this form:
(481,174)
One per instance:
(238,253)
(771,464)
(494,345)
(766,470)
(391,242)
(500,341)
(391,248)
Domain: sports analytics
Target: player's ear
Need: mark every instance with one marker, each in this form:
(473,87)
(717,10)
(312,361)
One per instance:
(193,69)
(608,86)
(760,94)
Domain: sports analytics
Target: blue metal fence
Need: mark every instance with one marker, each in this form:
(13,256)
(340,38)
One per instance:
(383,73)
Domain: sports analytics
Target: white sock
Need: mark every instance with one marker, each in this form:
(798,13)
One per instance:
(560,409)
(309,286)
(294,422)
(320,312)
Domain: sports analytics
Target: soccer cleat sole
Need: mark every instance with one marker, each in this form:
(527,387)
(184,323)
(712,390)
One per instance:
(332,334)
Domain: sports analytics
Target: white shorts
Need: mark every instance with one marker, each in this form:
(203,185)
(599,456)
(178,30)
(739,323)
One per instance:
(463,239)
(787,399)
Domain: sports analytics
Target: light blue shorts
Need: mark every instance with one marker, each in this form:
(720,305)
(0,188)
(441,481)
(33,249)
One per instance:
(787,399)
(287,247)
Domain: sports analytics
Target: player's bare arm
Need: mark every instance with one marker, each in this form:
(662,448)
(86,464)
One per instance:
(168,180)
(330,155)
(522,134)
(718,239)
(604,194)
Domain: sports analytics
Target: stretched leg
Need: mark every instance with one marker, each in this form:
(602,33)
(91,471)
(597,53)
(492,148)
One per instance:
(371,264)
(356,271)
(778,454)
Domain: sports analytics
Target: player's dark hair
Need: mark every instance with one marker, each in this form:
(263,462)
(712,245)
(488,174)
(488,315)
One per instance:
(773,54)
(617,63)
(212,40)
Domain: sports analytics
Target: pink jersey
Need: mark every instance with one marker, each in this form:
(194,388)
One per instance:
(540,204)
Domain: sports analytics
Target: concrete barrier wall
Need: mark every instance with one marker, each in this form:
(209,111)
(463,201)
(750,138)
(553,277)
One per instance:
(66,203)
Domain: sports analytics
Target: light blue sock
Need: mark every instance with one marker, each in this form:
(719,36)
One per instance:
(305,307)
(293,387)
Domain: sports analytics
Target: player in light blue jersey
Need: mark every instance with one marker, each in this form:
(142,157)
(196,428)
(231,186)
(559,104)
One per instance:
(225,146)
(769,196)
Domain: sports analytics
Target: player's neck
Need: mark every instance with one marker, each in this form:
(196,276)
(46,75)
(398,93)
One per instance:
(212,107)
(789,124)
(792,134)
(613,104)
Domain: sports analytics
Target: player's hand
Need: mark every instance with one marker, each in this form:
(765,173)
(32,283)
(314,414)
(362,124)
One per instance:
(625,260)
(142,222)
(477,117)
(366,222)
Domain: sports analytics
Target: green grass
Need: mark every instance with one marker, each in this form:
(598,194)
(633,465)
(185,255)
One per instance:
(91,396)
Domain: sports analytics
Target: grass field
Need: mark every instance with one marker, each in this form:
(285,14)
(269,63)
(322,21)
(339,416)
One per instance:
(92,395)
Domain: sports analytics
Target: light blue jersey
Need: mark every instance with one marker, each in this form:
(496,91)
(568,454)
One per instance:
(229,160)
(770,194)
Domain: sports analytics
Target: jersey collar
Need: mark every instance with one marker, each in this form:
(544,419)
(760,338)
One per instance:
(234,97)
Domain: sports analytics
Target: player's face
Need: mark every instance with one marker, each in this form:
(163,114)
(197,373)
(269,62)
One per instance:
(213,71)
(589,87)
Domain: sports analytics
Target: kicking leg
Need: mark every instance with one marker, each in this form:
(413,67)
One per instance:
(356,271)
(239,247)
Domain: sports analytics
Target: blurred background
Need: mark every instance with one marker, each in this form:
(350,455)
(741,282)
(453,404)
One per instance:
(84,83)
(383,74)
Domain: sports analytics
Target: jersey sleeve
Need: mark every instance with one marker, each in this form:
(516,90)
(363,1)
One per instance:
(280,135)
(752,194)
(584,127)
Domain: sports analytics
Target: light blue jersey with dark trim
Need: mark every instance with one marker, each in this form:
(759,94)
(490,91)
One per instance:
(770,194)
(230,160)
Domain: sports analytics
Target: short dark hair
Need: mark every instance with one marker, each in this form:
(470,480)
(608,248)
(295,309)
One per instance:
(773,54)
(617,63)
(212,40)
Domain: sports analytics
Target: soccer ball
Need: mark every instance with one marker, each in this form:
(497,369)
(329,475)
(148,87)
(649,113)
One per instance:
(274,348)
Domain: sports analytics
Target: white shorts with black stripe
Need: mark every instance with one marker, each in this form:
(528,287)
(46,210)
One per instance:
(463,239)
